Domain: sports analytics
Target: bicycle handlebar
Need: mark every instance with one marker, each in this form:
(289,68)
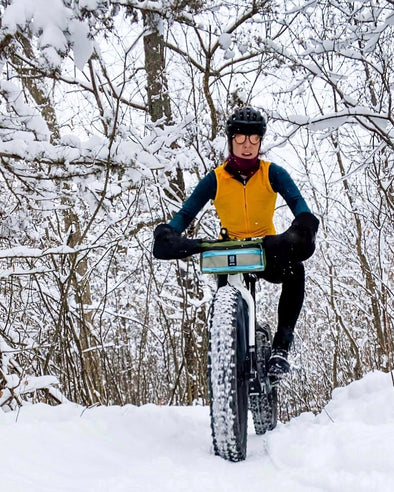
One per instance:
(209,245)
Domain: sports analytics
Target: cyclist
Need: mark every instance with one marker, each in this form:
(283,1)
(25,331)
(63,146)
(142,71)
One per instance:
(244,191)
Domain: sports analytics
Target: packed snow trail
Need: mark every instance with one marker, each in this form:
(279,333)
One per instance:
(348,447)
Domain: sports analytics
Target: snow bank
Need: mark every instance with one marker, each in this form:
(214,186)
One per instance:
(348,447)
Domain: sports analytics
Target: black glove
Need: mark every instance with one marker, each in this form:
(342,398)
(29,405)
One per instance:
(302,234)
(294,245)
(170,245)
(307,222)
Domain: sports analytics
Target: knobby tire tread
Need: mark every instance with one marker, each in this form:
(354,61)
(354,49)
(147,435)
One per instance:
(226,375)
(264,406)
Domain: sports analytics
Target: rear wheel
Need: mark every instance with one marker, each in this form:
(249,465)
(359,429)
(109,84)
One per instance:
(228,384)
(264,410)
(264,403)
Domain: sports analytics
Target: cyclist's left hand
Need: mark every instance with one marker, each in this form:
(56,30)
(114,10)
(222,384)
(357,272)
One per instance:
(295,244)
(304,229)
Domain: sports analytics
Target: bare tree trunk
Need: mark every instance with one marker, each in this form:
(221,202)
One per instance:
(90,360)
(157,86)
(370,283)
(160,109)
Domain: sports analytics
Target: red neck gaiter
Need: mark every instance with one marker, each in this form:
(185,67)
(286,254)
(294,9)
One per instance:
(239,165)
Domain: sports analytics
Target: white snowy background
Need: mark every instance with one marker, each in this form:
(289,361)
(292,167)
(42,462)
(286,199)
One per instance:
(68,448)
(348,447)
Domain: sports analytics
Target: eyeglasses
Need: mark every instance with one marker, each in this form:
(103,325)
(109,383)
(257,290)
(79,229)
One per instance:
(239,138)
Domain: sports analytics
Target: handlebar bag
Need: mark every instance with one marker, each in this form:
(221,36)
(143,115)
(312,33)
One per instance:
(233,257)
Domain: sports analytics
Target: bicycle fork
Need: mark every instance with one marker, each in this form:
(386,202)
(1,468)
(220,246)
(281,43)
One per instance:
(236,281)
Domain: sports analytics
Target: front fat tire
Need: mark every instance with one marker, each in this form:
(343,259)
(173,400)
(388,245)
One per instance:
(228,385)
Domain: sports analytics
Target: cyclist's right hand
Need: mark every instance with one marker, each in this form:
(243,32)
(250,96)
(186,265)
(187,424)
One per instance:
(170,245)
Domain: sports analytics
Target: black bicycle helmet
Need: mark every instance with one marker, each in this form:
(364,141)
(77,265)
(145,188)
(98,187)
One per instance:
(247,121)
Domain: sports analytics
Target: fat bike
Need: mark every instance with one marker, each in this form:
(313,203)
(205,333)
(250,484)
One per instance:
(239,348)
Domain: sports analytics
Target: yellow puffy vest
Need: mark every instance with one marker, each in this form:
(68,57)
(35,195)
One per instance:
(245,210)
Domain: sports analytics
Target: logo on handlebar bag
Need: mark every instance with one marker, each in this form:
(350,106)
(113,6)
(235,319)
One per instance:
(232,260)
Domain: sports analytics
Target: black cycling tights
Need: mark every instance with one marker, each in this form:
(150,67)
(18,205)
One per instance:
(292,278)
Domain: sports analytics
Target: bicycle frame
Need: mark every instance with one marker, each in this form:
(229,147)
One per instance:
(236,281)
(237,367)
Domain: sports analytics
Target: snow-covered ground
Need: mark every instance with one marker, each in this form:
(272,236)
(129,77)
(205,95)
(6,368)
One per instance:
(348,447)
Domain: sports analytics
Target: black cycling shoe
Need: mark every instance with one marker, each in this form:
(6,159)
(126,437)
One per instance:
(278,364)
